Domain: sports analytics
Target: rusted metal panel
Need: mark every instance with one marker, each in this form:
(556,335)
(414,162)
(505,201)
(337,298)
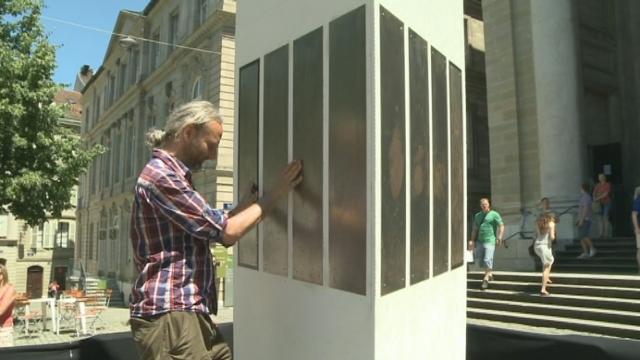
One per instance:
(307,146)
(419,153)
(248,126)
(275,244)
(348,153)
(392,102)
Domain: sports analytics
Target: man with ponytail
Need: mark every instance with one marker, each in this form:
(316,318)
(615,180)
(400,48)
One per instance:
(172,230)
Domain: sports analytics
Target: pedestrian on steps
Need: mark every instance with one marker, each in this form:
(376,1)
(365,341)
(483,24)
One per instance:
(488,232)
(545,236)
(585,213)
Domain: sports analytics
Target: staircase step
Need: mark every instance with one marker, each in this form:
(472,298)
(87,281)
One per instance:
(584,313)
(602,252)
(597,259)
(588,290)
(598,327)
(628,281)
(596,268)
(579,301)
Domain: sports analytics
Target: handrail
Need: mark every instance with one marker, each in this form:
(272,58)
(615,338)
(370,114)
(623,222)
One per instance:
(528,234)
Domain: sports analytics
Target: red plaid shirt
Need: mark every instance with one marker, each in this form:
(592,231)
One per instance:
(172,229)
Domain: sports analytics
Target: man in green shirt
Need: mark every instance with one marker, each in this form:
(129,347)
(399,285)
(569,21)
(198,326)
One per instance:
(488,231)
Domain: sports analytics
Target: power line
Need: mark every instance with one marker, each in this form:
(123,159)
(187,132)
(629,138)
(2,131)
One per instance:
(127,35)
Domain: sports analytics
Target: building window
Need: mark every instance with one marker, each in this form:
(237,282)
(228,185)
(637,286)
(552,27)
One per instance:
(40,237)
(122,77)
(97,116)
(106,162)
(87,120)
(173,30)
(135,60)
(153,52)
(116,155)
(90,241)
(129,150)
(201,11)
(62,235)
(196,91)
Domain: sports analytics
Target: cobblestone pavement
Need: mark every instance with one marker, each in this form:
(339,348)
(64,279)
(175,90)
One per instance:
(115,320)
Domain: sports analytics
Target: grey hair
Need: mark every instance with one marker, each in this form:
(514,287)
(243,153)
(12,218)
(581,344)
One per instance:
(192,113)
(636,193)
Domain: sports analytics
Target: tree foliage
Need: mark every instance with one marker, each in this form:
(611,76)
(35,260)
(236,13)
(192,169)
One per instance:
(40,160)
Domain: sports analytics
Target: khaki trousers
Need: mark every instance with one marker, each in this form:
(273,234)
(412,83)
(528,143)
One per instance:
(179,335)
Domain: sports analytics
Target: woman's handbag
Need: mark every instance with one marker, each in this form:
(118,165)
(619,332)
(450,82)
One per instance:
(596,207)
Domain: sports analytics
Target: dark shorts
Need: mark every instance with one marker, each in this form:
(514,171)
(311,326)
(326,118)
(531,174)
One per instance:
(583,230)
(178,335)
(606,209)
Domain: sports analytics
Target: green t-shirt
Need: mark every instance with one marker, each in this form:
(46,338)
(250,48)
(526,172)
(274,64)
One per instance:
(487,227)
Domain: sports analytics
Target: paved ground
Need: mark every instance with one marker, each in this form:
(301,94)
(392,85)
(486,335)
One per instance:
(115,320)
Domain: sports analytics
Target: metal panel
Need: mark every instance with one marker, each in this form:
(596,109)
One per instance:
(392,184)
(457,166)
(440,162)
(307,146)
(348,153)
(275,244)
(419,177)
(248,151)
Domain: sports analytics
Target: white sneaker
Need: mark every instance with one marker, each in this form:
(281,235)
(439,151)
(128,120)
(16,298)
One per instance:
(583,256)
(592,252)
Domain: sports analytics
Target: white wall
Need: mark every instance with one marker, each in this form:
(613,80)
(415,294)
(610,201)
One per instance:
(280,318)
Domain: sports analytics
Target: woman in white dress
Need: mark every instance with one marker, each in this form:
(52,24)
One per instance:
(545,231)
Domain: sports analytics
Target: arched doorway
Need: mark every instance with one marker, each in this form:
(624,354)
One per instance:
(34,282)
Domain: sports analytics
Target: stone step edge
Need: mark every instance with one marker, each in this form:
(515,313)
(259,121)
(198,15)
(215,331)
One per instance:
(544,330)
(559,307)
(564,275)
(567,296)
(559,285)
(555,319)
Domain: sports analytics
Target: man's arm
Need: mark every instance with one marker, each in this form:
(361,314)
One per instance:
(634,221)
(500,237)
(472,239)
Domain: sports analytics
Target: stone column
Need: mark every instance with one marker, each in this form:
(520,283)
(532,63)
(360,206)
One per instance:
(557,91)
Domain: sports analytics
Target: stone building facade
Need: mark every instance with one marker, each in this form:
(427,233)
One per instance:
(35,256)
(175,52)
(563,88)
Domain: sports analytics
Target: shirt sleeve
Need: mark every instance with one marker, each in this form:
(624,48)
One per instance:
(186,208)
(497,219)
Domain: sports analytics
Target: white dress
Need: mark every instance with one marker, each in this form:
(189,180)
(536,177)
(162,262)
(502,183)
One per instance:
(542,248)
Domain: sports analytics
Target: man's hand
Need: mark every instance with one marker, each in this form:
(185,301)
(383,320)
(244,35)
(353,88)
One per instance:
(290,178)
(471,245)
(499,242)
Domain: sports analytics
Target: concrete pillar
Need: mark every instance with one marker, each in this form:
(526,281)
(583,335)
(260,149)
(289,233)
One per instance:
(364,260)
(557,94)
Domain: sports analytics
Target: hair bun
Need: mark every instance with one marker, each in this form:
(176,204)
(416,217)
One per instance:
(155,137)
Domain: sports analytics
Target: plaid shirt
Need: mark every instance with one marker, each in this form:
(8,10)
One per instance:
(172,229)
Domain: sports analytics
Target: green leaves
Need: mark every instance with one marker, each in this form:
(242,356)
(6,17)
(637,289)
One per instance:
(40,160)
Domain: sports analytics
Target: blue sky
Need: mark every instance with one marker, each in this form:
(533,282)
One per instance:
(82,46)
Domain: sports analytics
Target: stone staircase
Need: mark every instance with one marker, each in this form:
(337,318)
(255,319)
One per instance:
(599,304)
(117,297)
(614,255)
